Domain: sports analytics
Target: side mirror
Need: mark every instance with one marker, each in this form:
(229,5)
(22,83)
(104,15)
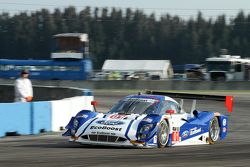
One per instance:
(170,111)
(195,113)
(94,103)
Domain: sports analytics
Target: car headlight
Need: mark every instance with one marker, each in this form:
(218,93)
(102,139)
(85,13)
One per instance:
(146,128)
(143,136)
(75,123)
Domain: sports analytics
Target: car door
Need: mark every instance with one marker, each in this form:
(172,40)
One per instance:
(176,120)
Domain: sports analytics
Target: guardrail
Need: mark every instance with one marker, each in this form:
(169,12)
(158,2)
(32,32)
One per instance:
(44,116)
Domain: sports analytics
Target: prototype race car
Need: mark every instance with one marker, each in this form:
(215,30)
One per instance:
(149,120)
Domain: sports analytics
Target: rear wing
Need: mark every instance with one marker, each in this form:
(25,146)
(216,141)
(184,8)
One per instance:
(228,99)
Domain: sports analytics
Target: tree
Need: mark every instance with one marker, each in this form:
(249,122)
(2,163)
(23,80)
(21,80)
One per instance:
(129,34)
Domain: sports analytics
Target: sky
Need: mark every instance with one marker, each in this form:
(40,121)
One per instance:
(182,8)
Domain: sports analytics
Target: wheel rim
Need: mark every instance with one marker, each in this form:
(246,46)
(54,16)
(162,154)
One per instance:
(163,135)
(214,130)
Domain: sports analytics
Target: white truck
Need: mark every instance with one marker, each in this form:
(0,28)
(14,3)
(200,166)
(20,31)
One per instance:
(227,68)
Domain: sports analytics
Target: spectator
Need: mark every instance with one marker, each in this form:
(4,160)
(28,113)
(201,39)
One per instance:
(23,88)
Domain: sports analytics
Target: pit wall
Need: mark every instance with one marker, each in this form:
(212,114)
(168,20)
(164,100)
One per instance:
(41,93)
(145,84)
(42,116)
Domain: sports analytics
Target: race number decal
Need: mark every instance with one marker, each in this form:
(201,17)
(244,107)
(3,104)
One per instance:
(175,137)
(118,116)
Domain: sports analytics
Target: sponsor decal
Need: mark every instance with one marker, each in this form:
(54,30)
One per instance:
(224,122)
(155,139)
(194,131)
(106,128)
(175,137)
(176,129)
(117,116)
(103,133)
(185,134)
(141,100)
(202,138)
(110,122)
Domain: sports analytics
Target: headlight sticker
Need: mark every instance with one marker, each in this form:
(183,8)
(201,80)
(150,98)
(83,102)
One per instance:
(82,116)
(149,120)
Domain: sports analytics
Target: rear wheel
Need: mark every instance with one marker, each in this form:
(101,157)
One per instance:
(214,130)
(162,134)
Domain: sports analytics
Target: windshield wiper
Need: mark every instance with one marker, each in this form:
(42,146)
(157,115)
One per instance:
(133,102)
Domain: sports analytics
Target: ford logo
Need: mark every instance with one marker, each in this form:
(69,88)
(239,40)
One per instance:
(110,122)
(185,134)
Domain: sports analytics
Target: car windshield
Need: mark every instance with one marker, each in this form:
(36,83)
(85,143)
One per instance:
(135,106)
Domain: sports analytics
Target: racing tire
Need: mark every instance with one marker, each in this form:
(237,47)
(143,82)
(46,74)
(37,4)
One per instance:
(214,131)
(162,134)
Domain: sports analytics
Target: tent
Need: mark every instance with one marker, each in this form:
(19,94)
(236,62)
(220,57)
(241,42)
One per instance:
(162,68)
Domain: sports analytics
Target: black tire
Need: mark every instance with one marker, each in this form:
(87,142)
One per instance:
(162,134)
(214,130)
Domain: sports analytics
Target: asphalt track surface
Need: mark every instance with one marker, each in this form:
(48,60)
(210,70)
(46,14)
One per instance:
(51,149)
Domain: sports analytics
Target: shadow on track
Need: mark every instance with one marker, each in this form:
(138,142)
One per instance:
(72,145)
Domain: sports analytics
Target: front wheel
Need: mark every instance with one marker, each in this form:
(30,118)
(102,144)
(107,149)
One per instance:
(162,134)
(214,131)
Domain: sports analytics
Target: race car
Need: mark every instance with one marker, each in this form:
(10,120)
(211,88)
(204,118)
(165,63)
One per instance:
(149,120)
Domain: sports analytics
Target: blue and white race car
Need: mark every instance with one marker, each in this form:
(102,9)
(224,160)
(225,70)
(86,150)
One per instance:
(147,120)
